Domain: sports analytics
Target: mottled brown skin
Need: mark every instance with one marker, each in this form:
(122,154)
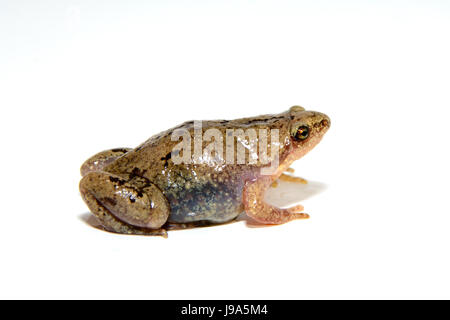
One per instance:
(142,190)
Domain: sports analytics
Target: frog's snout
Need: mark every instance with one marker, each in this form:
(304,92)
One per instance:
(326,122)
(323,121)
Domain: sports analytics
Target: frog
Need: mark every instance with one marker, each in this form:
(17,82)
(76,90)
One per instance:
(147,190)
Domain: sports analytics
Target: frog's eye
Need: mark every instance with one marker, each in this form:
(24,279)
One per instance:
(302,133)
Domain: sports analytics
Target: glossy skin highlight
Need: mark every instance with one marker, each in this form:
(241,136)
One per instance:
(142,190)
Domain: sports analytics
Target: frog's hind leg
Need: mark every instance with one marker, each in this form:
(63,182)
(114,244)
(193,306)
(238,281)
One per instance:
(130,205)
(259,210)
(110,223)
(100,160)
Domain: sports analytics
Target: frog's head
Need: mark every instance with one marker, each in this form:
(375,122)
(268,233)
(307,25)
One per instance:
(306,129)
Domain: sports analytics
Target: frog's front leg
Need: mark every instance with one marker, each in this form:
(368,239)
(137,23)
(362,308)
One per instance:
(259,210)
(125,204)
(100,160)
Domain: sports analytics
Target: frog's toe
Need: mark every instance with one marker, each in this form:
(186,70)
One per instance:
(142,206)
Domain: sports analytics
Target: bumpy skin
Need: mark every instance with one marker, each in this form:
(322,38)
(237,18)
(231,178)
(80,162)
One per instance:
(142,190)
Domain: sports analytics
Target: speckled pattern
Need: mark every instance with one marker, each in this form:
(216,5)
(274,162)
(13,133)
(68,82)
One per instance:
(143,191)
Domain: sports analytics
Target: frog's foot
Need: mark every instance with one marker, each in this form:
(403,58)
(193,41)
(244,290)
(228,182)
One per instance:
(288,178)
(262,212)
(130,205)
(102,159)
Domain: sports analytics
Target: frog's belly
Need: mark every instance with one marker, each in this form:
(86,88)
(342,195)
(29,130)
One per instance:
(207,201)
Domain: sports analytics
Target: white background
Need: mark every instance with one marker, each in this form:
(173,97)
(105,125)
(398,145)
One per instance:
(77,77)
